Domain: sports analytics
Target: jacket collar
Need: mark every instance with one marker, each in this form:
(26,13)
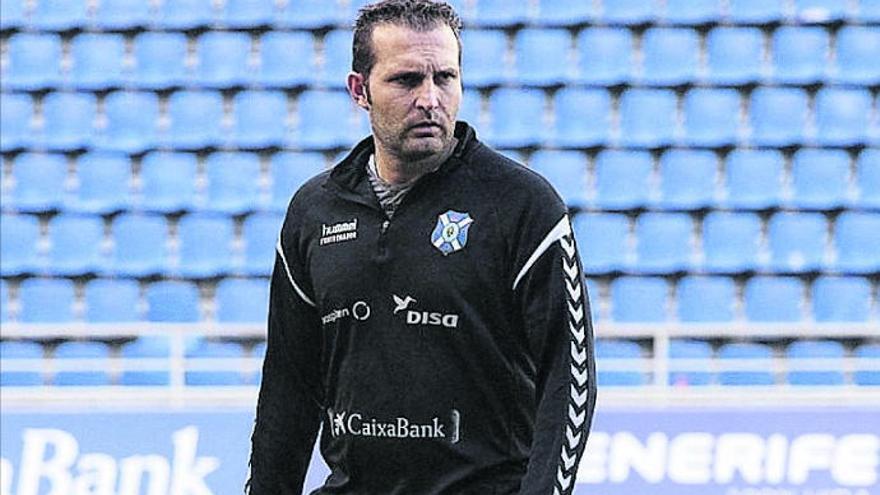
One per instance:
(349,174)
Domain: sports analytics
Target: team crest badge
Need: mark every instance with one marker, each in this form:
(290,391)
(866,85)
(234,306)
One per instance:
(451,233)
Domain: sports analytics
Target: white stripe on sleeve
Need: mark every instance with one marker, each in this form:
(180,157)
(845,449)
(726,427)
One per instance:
(562,229)
(290,276)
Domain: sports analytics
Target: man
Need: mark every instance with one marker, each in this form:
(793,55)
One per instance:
(427,305)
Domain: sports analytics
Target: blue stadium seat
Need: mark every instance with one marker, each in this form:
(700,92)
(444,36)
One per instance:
(812,349)
(778,116)
(566,171)
(205,245)
(869,11)
(5,300)
(622,179)
(160,60)
(843,116)
(496,13)
(745,375)
(186,14)
(841,299)
(195,120)
(627,12)
(583,118)
(214,350)
(311,14)
(516,116)
(132,121)
(286,59)
(146,347)
(168,181)
(223,59)
(605,56)
(247,14)
(112,300)
(13,14)
(619,349)
(173,301)
(754,179)
(97,61)
(594,295)
(19,237)
(139,248)
(60,15)
(123,15)
(706,299)
(689,349)
(773,299)
(542,56)
(638,299)
(83,350)
(603,239)
(13,350)
(855,61)
(39,182)
(663,242)
(260,233)
(103,183)
(797,242)
(868,353)
(289,171)
(337,58)
(734,55)
(241,300)
(856,236)
(820,11)
(690,12)
(756,11)
(564,13)
(731,242)
(483,62)
(799,55)
(671,56)
(326,120)
(687,179)
(16,120)
(68,120)
(820,179)
(75,244)
(33,294)
(647,118)
(34,61)
(233,182)
(711,117)
(470,109)
(868,177)
(260,119)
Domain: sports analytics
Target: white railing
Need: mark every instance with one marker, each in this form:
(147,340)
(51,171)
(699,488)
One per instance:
(659,392)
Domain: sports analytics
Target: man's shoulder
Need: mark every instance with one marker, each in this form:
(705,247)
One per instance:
(503,173)
(308,193)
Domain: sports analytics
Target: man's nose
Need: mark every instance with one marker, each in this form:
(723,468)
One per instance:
(428,97)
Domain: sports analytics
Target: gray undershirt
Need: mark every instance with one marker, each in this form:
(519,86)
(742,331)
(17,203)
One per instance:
(389,195)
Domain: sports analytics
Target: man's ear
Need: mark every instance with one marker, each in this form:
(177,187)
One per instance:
(357,88)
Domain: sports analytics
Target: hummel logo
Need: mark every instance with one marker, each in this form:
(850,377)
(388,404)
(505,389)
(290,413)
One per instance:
(400,304)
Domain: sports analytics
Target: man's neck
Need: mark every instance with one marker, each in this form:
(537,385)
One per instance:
(394,170)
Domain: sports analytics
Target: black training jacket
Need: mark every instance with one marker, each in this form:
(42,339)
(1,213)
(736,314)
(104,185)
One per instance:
(447,351)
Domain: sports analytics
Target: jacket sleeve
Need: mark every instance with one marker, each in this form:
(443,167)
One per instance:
(289,407)
(555,306)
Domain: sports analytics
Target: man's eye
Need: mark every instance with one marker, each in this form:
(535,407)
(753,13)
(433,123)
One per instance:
(409,80)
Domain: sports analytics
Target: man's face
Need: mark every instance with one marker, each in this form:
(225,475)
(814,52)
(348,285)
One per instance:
(414,90)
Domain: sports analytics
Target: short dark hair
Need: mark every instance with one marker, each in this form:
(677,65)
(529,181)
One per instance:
(419,15)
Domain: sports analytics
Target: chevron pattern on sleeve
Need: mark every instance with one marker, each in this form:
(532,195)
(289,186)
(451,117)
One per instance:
(575,434)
